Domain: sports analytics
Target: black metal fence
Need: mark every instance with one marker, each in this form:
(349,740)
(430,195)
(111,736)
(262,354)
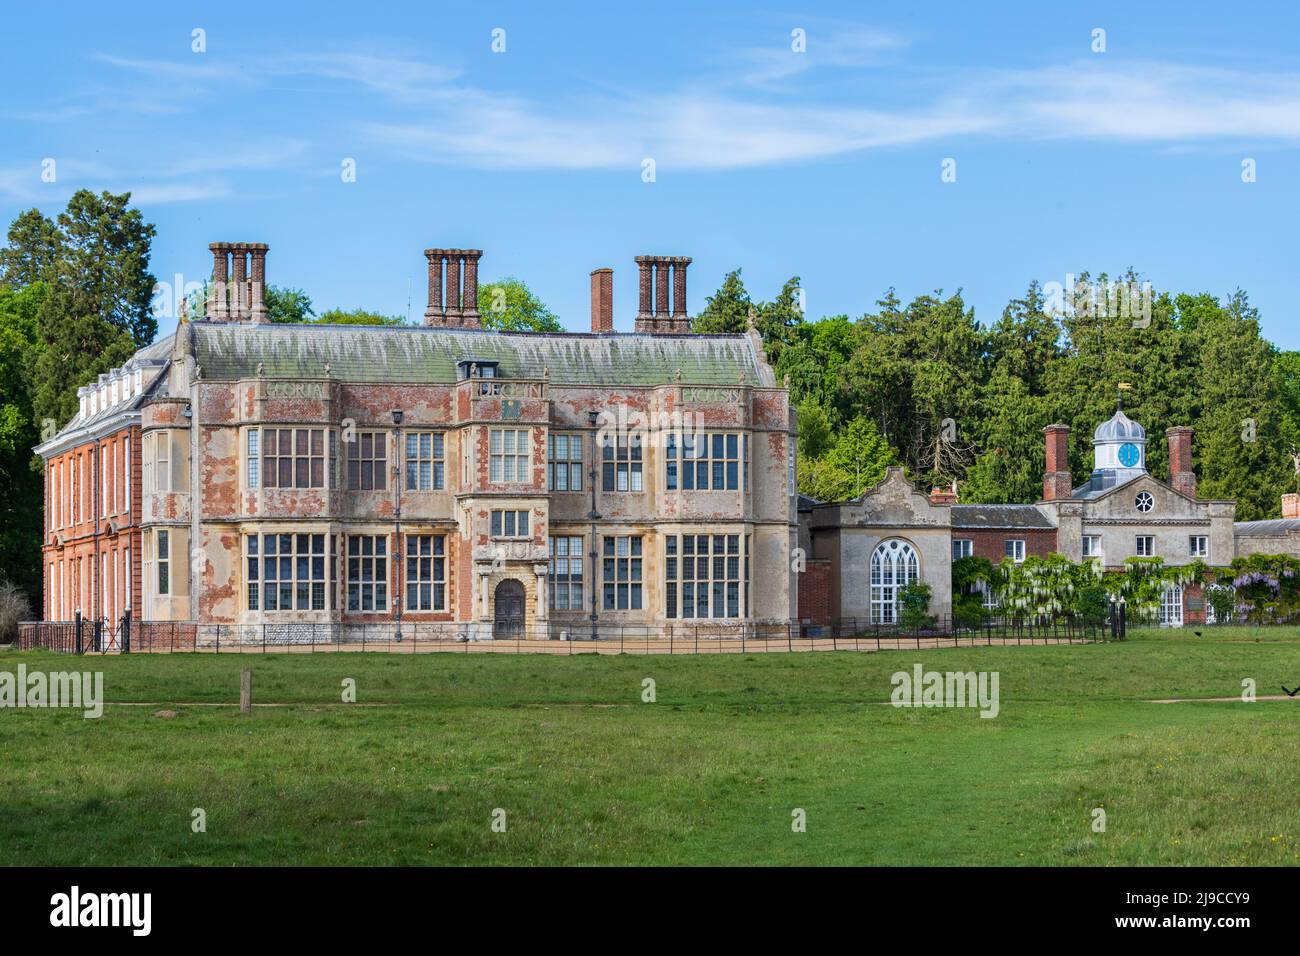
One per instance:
(553,638)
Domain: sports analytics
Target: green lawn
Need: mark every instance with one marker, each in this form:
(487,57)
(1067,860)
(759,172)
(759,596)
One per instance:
(710,773)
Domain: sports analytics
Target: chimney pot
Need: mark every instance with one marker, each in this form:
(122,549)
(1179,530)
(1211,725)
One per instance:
(1291,506)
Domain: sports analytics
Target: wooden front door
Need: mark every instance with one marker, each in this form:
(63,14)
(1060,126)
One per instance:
(508,623)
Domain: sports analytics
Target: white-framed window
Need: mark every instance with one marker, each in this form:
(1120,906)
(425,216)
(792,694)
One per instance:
(1198,546)
(1014,548)
(426,466)
(368,461)
(157,461)
(291,573)
(105,503)
(367,572)
(509,523)
(1091,545)
(126,480)
(702,576)
(126,579)
(621,559)
(962,548)
(563,462)
(162,561)
(508,455)
(1171,607)
(621,462)
(1145,546)
(293,457)
(426,572)
(706,461)
(566,559)
(894,565)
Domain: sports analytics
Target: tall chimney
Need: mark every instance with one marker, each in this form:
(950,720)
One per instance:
(238,291)
(453,300)
(679,290)
(645,285)
(1057,481)
(655,287)
(450,305)
(1181,476)
(602,301)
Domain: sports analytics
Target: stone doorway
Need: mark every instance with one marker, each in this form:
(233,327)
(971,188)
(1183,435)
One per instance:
(508,611)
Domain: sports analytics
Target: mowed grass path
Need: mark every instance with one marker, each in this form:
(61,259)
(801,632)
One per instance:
(708,774)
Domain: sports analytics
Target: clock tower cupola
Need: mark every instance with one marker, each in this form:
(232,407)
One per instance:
(1119,449)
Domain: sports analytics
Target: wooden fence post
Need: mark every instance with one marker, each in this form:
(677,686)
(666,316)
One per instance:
(246,691)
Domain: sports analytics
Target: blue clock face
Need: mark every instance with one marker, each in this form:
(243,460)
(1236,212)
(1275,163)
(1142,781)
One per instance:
(1129,455)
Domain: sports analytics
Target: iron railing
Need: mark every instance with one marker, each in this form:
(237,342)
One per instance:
(554,638)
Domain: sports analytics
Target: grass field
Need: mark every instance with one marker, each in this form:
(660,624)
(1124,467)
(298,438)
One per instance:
(709,773)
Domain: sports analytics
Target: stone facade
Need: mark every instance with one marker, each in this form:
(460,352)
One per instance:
(495,483)
(1122,511)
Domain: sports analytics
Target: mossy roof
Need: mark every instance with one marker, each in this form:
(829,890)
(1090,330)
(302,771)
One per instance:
(229,352)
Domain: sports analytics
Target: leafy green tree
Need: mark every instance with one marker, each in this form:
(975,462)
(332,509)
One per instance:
(20,483)
(509,305)
(727,310)
(855,462)
(815,433)
(357,317)
(96,312)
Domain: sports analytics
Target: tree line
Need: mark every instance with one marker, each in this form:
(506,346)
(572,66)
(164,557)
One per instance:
(927,386)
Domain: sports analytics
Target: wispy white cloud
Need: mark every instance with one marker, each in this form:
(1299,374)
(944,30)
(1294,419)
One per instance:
(430,112)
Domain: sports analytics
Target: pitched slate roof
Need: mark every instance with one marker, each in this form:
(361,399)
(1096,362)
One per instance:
(355,353)
(1275,526)
(1027,517)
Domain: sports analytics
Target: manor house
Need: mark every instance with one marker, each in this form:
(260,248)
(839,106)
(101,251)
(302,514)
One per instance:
(499,484)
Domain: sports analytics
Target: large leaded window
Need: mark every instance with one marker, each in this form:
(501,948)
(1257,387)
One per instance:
(712,461)
(563,462)
(367,572)
(566,564)
(368,461)
(293,457)
(426,572)
(703,576)
(508,455)
(621,460)
(622,573)
(893,567)
(425,464)
(287,572)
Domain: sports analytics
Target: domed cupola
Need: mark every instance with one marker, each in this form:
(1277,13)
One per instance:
(1119,449)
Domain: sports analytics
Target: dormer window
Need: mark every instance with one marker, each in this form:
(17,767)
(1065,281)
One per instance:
(477,368)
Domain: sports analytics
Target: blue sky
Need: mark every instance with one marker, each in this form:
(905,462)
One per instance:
(824,164)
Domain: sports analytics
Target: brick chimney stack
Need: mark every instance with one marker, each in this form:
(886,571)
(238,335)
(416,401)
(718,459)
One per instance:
(1057,481)
(1291,506)
(602,301)
(238,290)
(452,305)
(659,276)
(944,496)
(1181,476)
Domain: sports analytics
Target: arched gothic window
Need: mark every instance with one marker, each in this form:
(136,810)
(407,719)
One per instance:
(893,565)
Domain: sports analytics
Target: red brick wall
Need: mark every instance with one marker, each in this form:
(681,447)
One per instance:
(815,592)
(991,542)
